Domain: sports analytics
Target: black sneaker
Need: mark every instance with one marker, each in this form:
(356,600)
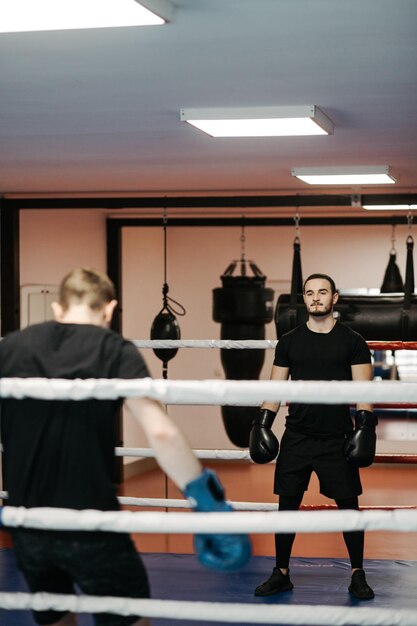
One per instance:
(276,583)
(359,587)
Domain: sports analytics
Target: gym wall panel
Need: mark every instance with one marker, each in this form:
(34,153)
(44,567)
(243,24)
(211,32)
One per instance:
(55,241)
(196,257)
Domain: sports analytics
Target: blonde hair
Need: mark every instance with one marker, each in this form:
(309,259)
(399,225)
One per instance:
(85,285)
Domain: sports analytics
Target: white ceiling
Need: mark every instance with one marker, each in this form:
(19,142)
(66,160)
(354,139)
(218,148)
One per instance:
(98,111)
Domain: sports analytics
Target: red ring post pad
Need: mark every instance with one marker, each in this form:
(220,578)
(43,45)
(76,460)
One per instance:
(219,552)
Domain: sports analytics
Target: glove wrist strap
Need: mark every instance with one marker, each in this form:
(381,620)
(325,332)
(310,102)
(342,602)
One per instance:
(205,492)
(266,418)
(365,418)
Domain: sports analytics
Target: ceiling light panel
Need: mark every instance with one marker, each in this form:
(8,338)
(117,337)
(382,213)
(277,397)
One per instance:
(46,15)
(259,121)
(355,175)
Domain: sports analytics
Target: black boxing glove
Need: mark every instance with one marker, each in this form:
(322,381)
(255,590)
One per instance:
(263,445)
(360,445)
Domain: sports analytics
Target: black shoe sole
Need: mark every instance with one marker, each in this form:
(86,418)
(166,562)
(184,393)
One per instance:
(361,597)
(273,593)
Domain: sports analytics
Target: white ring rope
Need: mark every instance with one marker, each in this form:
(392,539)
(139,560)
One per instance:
(306,615)
(256,344)
(207,455)
(238,506)
(211,392)
(48,518)
(225,455)
(180,503)
(227,344)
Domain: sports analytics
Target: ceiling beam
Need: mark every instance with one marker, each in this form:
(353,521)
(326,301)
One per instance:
(296,200)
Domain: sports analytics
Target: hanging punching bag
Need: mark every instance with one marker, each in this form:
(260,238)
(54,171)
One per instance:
(294,312)
(243,305)
(392,283)
(165,326)
(296,282)
(407,312)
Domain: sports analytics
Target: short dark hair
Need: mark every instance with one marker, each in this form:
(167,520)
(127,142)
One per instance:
(324,277)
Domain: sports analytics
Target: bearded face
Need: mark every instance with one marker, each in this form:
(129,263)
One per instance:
(318,297)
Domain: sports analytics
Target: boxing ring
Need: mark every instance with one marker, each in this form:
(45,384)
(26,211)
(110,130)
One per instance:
(254,518)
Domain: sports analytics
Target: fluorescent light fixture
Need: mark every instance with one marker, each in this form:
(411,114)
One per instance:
(355,175)
(259,121)
(43,15)
(390,207)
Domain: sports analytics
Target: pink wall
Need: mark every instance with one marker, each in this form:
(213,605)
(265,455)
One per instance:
(53,242)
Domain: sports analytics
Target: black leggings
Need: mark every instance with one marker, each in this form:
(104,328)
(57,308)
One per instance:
(283,542)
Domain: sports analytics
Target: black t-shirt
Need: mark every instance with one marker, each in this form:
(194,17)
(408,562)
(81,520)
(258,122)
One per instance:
(61,453)
(321,356)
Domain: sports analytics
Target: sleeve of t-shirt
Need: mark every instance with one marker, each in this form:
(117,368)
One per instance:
(360,352)
(281,352)
(131,364)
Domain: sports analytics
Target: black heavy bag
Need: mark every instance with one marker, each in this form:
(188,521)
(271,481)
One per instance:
(375,317)
(385,317)
(243,305)
(381,317)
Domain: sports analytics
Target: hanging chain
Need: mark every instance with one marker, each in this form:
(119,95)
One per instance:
(242,241)
(393,248)
(410,224)
(165,222)
(242,249)
(178,309)
(297,227)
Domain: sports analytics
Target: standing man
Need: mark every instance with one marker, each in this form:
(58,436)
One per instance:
(319,437)
(61,454)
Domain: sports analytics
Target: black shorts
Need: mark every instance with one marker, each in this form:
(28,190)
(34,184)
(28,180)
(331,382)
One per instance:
(99,563)
(300,455)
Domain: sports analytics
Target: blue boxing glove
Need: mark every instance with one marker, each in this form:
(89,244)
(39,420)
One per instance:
(220,552)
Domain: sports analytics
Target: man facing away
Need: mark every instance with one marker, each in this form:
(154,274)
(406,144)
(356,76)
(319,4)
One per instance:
(319,437)
(61,454)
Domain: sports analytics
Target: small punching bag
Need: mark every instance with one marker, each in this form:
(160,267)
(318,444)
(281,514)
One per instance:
(165,325)
(392,282)
(243,305)
(290,310)
(407,311)
(296,282)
